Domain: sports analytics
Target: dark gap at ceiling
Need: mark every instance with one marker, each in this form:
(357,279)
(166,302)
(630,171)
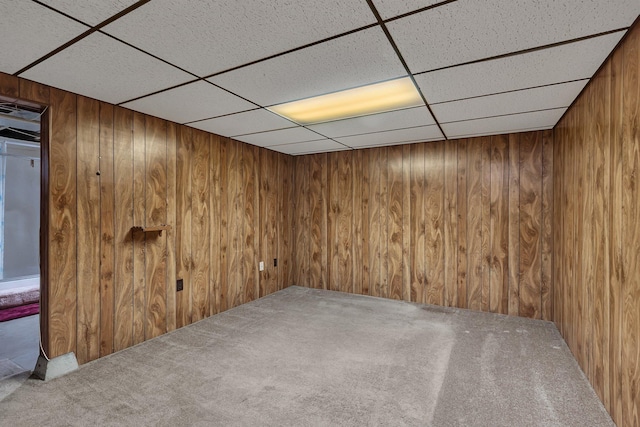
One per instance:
(90,31)
(404,63)
(525,51)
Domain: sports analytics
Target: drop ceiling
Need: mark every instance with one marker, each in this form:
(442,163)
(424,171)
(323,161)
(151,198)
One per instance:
(482,67)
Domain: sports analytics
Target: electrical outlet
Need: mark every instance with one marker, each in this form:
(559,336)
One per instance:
(179,285)
(261,265)
(275,262)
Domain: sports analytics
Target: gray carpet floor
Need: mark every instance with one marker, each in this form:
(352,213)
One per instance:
(304,357)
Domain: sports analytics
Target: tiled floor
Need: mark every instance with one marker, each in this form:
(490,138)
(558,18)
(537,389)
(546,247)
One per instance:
(19,343)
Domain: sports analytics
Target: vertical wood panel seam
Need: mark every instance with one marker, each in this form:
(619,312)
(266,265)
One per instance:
(100,296)
(76,211)
(541,243)
(166,270)
(132,212)
(144,219)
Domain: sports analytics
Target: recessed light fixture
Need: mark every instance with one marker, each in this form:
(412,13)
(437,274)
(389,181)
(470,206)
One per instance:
(376,98)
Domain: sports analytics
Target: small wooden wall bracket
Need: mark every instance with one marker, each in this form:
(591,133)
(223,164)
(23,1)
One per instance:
(152,229)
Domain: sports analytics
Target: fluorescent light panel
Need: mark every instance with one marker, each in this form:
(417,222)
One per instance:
(376,98)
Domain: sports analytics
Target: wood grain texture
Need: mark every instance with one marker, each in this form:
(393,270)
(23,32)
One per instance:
(569,206)
(587,268)
(107,229)
(112,288)
(123,219)
(332,221)
(463,218)
(579,284)
(155,251)
(631,227)
(323,209)
(417,226)
(36,92)
(139,216)
(234,221)
(434,222)
(406,222)
(558,244)
(421,209)
(317,167)
(306,222)
(268,220)
(301,243)
(374,222)
(567,233)
(172,146)
(62,287)
(546,281)
(474,223)
(10,86)
(394,222)
(344,235)
(215,272)
(450,206)
(383,164)
(88,226)
(595,284)
(530,216)
(366,232)
(486,232)
(377,211)
(600,237)
(184,193)
(558,230)
(514,225)
(200,226)
(265,243)
(222,295)
(251,212)
(499,225)
(357,220)
(285,239)
(616,233)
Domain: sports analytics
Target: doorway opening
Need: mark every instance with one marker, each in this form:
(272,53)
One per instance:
(20,223)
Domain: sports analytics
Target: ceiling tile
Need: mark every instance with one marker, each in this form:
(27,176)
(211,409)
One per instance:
(355,60)
(321,146)
(423,133)
(410,117)
(505,124)
(467,30)
(195,101)
(30,31)
(391,8)
(279,137)
(90,12)
(244,123)
(573,61)
(547,97)
(205,37)
(102,68)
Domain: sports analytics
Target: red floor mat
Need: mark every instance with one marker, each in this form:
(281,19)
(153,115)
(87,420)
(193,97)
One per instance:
(20,311)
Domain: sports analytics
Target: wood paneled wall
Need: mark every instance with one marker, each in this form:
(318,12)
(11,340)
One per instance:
(111,169)
(597,235)
(465,223)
